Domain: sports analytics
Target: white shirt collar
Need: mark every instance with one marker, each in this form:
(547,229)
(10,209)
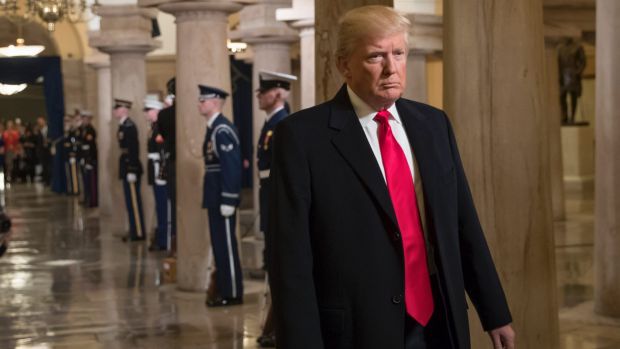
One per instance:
(212,120)
(365,112)
(274,113)
(123,119)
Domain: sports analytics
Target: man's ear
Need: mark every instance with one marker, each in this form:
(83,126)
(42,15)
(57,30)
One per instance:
(343,67)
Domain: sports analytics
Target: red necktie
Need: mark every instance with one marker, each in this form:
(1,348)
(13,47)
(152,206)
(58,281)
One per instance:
(418,295)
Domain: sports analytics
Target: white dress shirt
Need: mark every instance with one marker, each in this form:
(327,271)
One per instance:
(366,115)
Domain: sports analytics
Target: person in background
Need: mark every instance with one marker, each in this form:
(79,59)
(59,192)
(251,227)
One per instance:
(221,194)
(155,153)
(43,151)
(130,169)
(29,146)
(88,159)
(11,144)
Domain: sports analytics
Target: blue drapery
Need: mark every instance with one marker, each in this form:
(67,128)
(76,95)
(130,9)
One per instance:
(26,70)
(241,76)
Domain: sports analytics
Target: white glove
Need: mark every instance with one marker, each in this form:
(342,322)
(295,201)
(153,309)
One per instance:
(131,177)
(227,210)
(160,181)
(72,161)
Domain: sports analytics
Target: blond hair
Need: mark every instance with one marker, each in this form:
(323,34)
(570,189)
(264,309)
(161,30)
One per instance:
(372,21)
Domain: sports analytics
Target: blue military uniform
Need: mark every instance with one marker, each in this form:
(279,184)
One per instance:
(129,162)
(156,154)
(88,160)
(222,186)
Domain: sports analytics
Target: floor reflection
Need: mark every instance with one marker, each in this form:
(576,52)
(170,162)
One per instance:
(68,281)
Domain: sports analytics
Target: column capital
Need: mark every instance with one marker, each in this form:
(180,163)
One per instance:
(426,33)
(200,10)
(98,60)
(124,29)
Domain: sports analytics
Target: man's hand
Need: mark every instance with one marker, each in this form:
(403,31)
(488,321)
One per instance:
(503,337)
(227,210)
(132,178)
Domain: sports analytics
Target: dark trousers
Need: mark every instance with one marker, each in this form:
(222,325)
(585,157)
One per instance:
(89,175)
(226,254)
(437,334)
(133,201)
(164,212)
(172,195)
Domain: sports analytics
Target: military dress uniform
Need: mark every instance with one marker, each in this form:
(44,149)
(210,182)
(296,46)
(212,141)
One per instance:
(129,163)
(89,164)
(222,186)
(156,154)
(72,151)
(166,127)
(267,81)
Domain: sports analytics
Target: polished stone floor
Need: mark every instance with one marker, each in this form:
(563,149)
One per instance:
(68,281)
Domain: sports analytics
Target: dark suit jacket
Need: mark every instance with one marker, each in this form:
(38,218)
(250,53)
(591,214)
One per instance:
(337,261)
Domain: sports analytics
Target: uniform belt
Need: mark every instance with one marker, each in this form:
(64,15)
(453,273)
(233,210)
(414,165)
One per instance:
(213,168)
(154,156)
(264,174)
(85,147)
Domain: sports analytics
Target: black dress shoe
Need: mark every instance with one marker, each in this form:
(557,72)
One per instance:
(155,247)
(267,341)
(223,302)
(128,238)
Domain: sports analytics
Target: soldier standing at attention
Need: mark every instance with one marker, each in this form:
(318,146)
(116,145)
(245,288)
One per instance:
(274,89)
(89,160)
(155,150)
(130,169)
(222,186)
(167,130)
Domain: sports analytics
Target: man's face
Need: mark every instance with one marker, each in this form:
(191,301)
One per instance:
(206,106)
(151,114)
(376,70)
(267,99)
(119,112)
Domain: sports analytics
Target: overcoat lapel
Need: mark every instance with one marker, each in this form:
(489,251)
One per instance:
(353,145)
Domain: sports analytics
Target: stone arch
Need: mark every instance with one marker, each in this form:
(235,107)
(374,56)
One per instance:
(34,33)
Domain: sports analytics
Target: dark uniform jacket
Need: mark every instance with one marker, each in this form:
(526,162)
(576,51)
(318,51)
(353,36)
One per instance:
(89,145)
(336,255)
(263,152)
(155,151)
(222,156)
(129,161)
(166,127)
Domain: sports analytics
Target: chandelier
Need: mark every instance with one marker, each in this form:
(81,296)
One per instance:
(8,90)
(48,11)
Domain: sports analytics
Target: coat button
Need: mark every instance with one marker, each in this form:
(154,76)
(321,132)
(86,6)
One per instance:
(397,299)
(396,236)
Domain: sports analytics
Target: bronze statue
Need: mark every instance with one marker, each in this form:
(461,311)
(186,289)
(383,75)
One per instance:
(572,62)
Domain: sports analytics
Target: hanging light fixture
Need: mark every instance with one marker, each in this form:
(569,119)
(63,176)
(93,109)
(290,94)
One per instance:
(49,11)
(21,50)
(8,90)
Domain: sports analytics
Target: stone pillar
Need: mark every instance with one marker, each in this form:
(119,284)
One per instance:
(327,14)
(307,77)
(301,17)
(607,205)
(496,97)
(110,193)
(270,41)
(125,35)
(202,58)
(416,77)
(554,118)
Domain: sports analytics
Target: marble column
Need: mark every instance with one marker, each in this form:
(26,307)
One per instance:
(307,57)
(607,205)
(554,117)
(270,41)
(416,77)
(301,17)
(109,191)
(495,96)
(202,58)
(125,35)
(327,14)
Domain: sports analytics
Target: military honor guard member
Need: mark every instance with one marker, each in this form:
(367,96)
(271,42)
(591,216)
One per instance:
(88,159)
(155,149)
(221,196)
(130,169)
(167,131)
(272,94)
(72,150)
